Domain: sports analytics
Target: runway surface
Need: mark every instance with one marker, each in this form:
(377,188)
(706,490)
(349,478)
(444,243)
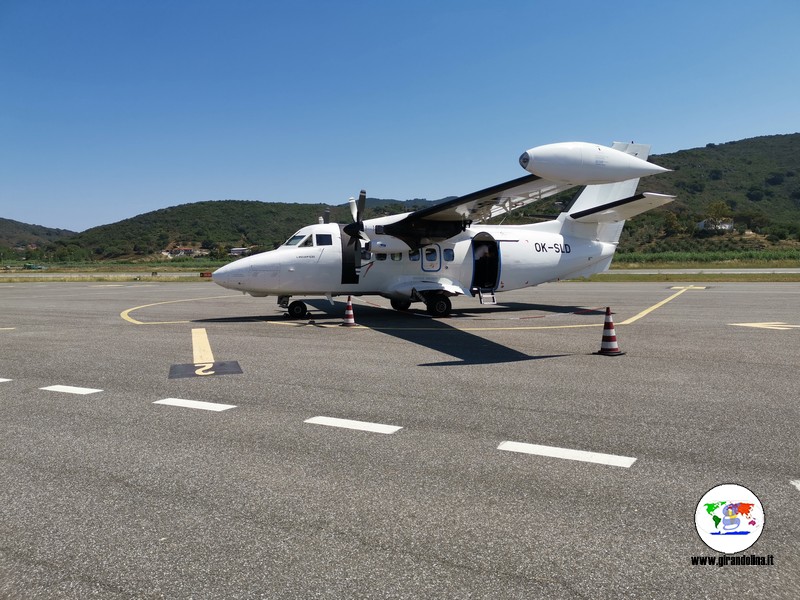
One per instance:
(179,441)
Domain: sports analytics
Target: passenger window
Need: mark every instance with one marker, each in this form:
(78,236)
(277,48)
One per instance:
(397,256)
(324,239)
(448,255)
(413,255)
(366,255)
(380,257)
(430,254)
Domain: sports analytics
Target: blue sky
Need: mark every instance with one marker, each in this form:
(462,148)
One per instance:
(110,109)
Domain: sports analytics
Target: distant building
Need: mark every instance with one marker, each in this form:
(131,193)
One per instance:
(239,252)
(181,252)
(712,225)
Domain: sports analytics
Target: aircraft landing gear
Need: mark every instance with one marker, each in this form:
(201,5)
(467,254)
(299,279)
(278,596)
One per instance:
(297,310)
(438,304)
(401,305)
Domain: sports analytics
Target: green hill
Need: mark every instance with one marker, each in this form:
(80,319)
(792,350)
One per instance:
(755,182)
(14,234)
(209,224)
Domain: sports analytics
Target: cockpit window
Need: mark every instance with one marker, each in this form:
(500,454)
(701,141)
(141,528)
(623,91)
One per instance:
(308,243)
(295,239)
(324,239)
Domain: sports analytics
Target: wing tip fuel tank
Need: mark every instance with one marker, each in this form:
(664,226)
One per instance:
(582,163)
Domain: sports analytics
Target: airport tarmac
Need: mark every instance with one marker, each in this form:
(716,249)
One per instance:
(175,440)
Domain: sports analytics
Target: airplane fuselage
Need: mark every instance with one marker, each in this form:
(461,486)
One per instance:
(483,257)
(445,250)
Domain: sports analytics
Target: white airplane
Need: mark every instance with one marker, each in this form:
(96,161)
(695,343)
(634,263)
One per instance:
(442,251)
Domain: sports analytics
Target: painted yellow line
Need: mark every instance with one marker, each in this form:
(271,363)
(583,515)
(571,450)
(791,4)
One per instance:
(647,311)
(126,314)
(201,348)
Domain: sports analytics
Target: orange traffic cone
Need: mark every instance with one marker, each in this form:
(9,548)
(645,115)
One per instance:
(349,319)
(609,346)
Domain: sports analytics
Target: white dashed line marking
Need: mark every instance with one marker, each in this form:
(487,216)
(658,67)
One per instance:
(196,404)
(4,380)
(348,424)
(68,389)
(796,483)
(569,454)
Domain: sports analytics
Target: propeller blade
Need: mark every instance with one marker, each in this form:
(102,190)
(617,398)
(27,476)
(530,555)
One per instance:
(351,254)
(362,203)
(353,209)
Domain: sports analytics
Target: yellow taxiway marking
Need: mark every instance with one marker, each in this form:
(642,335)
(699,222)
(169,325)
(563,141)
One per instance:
(647,311)
(778,325)
(126,314)
(201,348)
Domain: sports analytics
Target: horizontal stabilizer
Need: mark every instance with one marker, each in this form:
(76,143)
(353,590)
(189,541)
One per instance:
(620,210)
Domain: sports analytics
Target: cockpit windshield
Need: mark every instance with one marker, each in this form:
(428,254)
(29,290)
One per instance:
(295,239)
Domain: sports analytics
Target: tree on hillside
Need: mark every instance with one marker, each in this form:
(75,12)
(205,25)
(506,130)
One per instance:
(717,213)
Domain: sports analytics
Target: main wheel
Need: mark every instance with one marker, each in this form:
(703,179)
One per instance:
(297,310)
(401,305)
(438,305)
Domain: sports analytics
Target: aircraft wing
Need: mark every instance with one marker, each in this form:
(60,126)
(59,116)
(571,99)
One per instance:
(479,206)
(446,219)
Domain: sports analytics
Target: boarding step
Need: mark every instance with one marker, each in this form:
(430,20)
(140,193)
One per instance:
(487,296)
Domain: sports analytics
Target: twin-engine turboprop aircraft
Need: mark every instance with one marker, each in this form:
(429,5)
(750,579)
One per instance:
(442,251)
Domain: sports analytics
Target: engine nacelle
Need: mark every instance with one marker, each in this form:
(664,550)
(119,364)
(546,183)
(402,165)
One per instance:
(386,244)
(581,163)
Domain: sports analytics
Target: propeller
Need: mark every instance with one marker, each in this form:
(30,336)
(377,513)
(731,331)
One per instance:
(351,251)
(356,229)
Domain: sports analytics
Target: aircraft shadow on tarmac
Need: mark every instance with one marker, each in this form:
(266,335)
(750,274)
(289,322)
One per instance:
(435,334)
(550,308)
(240,319)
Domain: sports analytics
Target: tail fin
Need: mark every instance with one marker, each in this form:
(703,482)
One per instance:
(599,213)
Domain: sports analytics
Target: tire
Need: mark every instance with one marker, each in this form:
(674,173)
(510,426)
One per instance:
(438,305)
(297,310)
(401,305)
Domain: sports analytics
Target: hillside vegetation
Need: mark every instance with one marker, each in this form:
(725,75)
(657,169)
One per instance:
(14,233)
(754,182)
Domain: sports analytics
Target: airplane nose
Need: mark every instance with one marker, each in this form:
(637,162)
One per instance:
(225,275)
